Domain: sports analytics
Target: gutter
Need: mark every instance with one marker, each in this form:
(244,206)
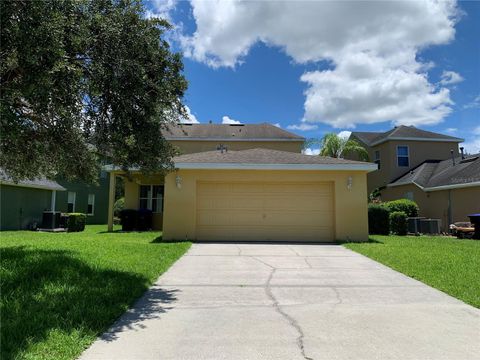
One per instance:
(456,140)
(234,139)
(439,188)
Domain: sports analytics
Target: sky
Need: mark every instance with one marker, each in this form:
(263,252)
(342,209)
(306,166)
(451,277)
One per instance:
(316,67)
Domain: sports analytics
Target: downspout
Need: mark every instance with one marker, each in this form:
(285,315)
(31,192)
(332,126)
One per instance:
(54,200)
(449,209)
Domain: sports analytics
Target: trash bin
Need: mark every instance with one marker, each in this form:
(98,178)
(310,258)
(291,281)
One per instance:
(128,219)
(475,220)
(144,220)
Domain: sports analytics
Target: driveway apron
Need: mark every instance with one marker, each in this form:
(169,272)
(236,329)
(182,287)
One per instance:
(289,301)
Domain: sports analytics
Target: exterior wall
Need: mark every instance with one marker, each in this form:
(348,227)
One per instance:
(189,147)
(22,206)
(132,192)
(351,220)
(100,213)
(435,204)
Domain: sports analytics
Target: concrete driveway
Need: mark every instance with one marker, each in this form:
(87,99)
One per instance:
(269,301)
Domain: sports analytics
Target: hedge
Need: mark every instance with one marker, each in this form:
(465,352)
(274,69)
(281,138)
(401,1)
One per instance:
(76,222)
(409,207)
(398,223)
(378,219)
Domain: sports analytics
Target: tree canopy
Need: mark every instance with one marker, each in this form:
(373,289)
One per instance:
(338,147)
(84,81)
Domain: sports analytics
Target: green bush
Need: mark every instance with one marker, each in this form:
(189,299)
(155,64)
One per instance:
(378,219)
(398,222)
(409,207)
(118,206)
(76,222)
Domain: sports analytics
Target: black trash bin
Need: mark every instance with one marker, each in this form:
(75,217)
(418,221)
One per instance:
(475,220)
(128,219)
(144,220)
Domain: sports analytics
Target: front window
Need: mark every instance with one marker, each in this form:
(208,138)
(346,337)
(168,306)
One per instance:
(91,204)
(151,198)
(377,158)
(408,195)
(71,201)
(402,156)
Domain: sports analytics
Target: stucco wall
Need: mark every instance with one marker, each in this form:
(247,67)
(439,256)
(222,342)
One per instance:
(434,204)
(351,221)
(188,147)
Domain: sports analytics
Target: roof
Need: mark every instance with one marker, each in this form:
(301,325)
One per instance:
(266,159)
(434,175)
(40,183)
(229,132)
(403,132)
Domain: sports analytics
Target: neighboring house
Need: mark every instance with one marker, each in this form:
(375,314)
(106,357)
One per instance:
(259,188)
(401,149)
(23,203)
(448,190)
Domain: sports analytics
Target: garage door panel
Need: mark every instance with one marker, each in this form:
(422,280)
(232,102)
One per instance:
(265,211)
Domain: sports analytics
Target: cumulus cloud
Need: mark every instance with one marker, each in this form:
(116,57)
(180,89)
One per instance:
(450,78)
(451,130)
(277,125)
(344,134)
(190,118)
(475,103)
(310,151)
(374,74)
(302,127)
(160,9)
(227,120)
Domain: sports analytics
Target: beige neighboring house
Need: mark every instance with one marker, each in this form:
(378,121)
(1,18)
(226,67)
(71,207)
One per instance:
(425,167)
(251,182)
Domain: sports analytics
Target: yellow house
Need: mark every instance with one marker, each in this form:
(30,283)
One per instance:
(260,189)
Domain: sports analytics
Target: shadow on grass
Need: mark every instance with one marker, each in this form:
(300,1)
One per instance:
(370,241)
(160,240)
(47,290)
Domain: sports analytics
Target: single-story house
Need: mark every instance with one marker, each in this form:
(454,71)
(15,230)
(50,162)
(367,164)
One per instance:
(256,194)
(448,190)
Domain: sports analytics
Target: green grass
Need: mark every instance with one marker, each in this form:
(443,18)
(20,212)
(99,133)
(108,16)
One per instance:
(448,264)
(59,291)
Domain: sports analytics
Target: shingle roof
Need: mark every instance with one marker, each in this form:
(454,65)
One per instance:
(41,183)
(262,157)
(403,133)
(434,173)
(229,132)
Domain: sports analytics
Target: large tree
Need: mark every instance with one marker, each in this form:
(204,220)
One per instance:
(338,146)
(84,81)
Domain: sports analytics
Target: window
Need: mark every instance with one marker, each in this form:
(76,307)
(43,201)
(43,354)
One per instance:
(91,204)
(71,201)
(151,197)
(402,156)
(377,158)
(408,195)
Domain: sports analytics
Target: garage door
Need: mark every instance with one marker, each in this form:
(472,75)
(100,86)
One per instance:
(265,211)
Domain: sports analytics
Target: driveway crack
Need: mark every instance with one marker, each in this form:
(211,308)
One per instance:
(292,321)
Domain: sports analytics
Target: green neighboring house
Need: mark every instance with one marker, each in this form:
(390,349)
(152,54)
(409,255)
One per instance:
(22,204)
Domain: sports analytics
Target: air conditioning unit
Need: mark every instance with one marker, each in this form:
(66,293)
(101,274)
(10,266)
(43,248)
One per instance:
(51,219)
(430,226)
(414,224)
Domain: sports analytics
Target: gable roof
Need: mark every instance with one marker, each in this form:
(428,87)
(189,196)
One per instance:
(40,183)
(403,132)
(229,132)
(434,175)
(265,159)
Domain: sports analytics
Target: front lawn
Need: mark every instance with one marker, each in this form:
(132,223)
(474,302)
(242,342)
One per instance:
(60,291)
(448,264)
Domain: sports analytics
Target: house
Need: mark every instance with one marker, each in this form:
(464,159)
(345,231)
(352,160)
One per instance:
(23,203)
(425,167)
(250,182)
(401,149)
(448,190)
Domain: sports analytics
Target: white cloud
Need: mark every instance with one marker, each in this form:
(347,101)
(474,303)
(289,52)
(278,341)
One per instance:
(475,103)
(375,73)
(451,130)
(302,127)
(450,78)
(344,134)
(476,131)
(310,151)
(190,119)
(472,146)
(227,120)
(160,9)
(277,125)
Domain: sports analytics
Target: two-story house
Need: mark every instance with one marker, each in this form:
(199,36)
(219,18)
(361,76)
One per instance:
(250,182)
(425,167)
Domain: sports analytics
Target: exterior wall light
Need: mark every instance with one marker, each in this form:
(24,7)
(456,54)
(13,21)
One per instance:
(178,181)
(349,183)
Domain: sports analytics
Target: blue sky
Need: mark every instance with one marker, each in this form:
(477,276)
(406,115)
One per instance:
(324,67)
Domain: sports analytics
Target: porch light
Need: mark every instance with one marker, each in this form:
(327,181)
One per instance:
(178,181)
(349,183)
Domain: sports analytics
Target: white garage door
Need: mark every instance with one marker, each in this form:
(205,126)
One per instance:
(265,211)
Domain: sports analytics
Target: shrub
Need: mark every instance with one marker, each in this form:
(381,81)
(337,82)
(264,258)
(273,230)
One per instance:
(118,206)
(76,222)
(398,222)
(378,219)
(409,207)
